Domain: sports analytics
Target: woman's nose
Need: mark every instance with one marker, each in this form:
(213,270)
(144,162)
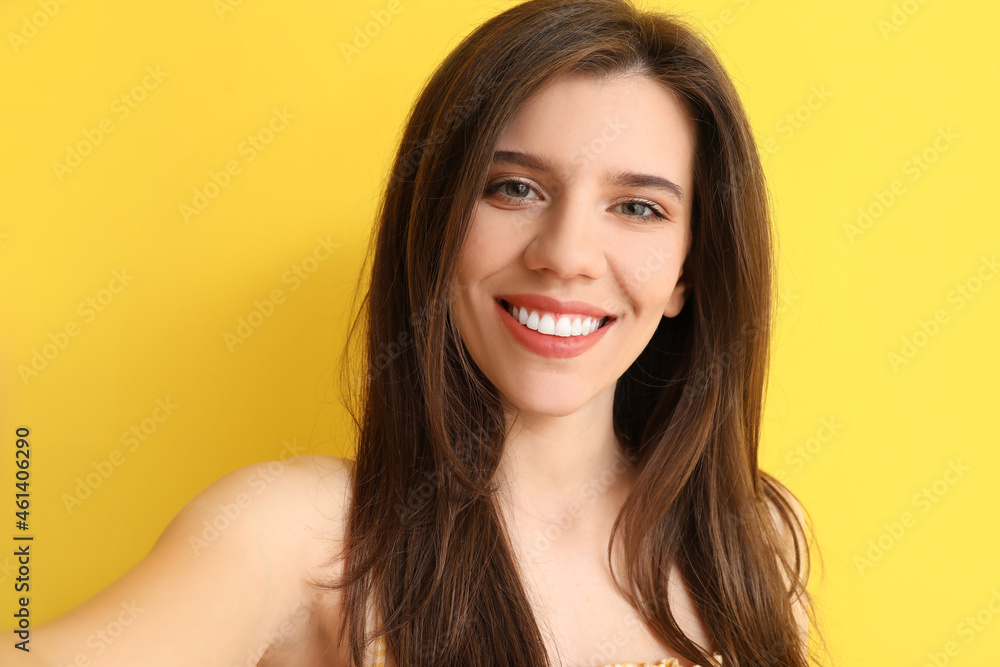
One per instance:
(567,241)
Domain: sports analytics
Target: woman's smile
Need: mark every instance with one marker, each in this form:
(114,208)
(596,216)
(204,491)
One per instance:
(554,323)
(552,334)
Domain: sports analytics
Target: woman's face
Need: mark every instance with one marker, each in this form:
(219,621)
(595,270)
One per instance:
(588,200)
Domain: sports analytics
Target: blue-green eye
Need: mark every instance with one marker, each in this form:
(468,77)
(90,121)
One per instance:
(634,209)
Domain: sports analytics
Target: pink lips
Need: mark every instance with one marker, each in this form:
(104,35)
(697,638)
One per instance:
(546,303)
(552,346)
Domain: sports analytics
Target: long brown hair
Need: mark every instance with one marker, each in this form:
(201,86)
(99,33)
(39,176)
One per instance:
(425,546)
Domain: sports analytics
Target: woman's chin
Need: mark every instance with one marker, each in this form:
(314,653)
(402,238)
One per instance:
(544,401)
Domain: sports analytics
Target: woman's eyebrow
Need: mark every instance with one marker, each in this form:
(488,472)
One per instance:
(633,180)
(526,160)
(623,178)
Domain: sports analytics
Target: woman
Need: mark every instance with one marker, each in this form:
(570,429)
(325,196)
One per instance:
(565,343)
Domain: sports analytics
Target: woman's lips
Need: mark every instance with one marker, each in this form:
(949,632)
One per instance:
(548,345)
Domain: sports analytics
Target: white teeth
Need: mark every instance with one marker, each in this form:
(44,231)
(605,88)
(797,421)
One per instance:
(532,322)
(547,324)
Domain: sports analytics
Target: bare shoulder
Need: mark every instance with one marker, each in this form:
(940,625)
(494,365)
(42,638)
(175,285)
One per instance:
(318,490)
(227,576)
(288,508)
(789,518)
(782,502)
(277,486)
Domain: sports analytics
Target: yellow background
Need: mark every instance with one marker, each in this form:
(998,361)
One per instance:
(855,435)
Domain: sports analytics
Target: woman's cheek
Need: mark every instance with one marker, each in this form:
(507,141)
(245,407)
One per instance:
(648,262)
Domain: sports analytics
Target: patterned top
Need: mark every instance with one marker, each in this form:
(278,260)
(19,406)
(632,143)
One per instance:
(666,662)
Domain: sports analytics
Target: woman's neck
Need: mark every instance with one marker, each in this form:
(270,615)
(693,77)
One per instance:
(565,477)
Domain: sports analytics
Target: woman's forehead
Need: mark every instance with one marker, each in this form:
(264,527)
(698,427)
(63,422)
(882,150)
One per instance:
(576,124)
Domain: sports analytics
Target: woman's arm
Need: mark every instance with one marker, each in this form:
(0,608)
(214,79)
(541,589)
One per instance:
(222,581)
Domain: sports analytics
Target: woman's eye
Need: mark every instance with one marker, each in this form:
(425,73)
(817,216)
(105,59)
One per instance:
(511,189)
(636,208)
(516,189)
(640,210)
